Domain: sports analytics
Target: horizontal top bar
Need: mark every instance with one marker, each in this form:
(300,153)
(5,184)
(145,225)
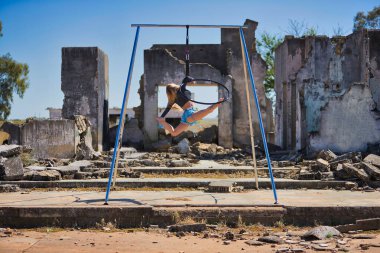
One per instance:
(193,26)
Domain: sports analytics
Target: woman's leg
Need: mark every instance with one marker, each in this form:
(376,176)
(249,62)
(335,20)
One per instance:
(174,131)
(202,113)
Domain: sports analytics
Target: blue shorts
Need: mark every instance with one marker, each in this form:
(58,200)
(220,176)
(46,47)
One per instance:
(187,113)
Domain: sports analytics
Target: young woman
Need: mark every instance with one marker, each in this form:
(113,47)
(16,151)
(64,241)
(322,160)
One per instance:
(189,116)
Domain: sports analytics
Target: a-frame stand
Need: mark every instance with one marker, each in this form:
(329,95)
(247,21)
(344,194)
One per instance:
(247,66)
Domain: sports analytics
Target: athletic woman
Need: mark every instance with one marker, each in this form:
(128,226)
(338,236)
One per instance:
(181,96)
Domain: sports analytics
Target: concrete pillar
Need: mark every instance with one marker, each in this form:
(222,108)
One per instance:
(160,68)
(225,119)
(84,82)
(231,41)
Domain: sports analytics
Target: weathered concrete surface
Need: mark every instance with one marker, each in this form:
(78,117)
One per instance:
(325,96)
(164,64)
(247,183)
(85,85)
(50,138)
(347,124)
(140,208)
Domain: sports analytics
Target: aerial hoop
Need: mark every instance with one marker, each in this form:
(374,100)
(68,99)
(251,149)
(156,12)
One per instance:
(189,79)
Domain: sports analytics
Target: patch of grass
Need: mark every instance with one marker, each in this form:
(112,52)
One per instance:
(279,224)
(186,220)
(102,225)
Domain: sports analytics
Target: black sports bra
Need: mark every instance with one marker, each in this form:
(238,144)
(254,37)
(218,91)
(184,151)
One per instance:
(181,99)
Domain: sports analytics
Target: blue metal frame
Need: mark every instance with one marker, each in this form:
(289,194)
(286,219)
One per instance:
(259,114)
(125,98)
(126,92)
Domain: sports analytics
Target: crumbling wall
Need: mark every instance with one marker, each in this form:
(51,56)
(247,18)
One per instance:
(312,74)
(347,122)
(50,138)
(230,39)
(84,77)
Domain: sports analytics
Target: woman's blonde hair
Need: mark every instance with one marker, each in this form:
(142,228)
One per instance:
(171,92)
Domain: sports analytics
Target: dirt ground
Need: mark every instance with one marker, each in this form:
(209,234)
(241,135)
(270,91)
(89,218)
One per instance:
(156,241)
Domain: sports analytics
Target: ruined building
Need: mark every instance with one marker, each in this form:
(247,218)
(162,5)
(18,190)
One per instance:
(223,63)
(84,82)
(328,92)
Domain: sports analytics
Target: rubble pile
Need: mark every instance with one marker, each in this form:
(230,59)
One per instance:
(320,238)
(352,166)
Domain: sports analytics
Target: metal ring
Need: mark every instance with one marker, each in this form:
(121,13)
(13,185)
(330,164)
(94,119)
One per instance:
(188,79)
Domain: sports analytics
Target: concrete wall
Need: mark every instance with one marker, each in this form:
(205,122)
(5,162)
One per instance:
(161,68)
(221,62)
(50,138)
(324,92)
(85,85)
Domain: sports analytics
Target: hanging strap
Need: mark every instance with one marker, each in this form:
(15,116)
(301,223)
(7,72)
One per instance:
(187,51)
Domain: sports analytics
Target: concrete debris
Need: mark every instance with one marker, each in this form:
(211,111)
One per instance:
(197,227)
(125,152)
(84,149)
(323,165)
(254,243)
(366,246)
(11,168)
(350,185)
(81,164)
(179,163)
(183,146)
(82,175)
(229,235)
(364,225)
(47,175)
(271,239)
(82,123)
(147,162)
(34,168)
(341,173)
(10,150)
(320,233)
(363,236)
(9,188)
(373,159)
(371,170)
(355,172)
(67,172)
(223,186)
(327,155)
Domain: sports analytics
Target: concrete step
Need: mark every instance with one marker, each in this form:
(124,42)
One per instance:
(194,183)
(144,208)
(205,169)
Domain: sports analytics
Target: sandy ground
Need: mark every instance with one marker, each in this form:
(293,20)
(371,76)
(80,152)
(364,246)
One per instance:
(156,241)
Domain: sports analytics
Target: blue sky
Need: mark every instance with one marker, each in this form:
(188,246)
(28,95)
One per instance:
(35,30)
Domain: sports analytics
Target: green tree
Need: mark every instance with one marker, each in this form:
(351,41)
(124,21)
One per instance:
(13,79)
(371,20)
(266,46)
